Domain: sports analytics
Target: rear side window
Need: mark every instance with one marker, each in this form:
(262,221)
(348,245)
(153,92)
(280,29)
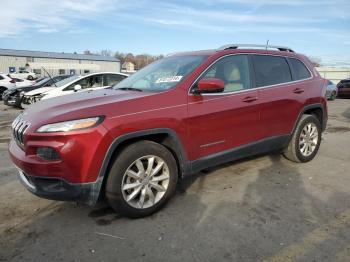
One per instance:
(112,79)
(345,83)
(271,70)
(300,71)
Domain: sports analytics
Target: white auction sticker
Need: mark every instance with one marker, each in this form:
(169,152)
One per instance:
(168,79)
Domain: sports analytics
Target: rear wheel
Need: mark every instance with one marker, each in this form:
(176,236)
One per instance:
(306,140)
(142,179)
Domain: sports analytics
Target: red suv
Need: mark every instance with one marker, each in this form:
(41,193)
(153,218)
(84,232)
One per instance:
(173,118)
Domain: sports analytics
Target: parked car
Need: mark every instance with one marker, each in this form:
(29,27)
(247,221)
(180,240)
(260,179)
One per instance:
(171,119)
(6,83)
(14,96)
(24,74)
(72,85)
(332,90)
(344,87)
(23,82)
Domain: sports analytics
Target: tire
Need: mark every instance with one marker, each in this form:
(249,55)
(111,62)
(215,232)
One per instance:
(127,160)
(30,77)
(333,96)
(293,152)
(2,90)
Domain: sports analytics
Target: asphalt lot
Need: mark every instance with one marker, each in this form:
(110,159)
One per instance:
(262,208)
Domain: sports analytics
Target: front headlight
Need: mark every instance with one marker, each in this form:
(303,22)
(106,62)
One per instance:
(71,125)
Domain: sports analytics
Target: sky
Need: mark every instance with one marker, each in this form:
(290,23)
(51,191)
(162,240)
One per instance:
(315,28)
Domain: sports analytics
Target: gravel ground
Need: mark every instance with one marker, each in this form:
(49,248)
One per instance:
(259,209)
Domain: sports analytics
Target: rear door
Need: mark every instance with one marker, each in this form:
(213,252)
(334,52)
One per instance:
(281,96)
(221,121)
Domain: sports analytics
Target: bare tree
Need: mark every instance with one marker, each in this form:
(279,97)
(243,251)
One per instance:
(105,52)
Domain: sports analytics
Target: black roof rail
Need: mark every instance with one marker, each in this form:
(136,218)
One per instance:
(236,46)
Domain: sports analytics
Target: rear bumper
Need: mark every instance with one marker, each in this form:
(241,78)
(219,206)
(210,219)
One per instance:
(58,189)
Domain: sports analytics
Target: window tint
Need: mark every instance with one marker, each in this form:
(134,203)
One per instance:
(233,70)
(299,70)
(111,79)
(271,70)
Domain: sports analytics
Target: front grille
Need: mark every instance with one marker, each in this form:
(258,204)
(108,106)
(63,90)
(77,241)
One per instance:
(19,126)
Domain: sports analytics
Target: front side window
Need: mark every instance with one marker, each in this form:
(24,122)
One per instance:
(299,69)
(271,70)
(162,74)
(233,70)
(88,82)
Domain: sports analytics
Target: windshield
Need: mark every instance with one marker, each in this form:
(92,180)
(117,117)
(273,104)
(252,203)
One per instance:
(41,81)
(162,74)
(65,81)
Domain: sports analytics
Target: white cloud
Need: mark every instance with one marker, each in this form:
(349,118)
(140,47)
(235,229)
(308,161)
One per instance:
(45,16)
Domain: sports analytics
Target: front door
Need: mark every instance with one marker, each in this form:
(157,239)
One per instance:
(222,121)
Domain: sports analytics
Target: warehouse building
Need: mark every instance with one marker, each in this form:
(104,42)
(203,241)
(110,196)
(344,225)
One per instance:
(54,63)
(334,74)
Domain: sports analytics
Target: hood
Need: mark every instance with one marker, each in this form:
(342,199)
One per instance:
(39,91)
(105,102)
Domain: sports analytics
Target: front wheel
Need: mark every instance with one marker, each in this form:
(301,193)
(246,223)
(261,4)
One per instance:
(333,96)
(142,179)
(30,77)
(306,140)
(2,90)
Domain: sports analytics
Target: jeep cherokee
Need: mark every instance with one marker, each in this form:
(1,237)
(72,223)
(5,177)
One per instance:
(173,118)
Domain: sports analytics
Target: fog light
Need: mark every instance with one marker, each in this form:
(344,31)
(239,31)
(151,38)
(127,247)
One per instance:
(47,153)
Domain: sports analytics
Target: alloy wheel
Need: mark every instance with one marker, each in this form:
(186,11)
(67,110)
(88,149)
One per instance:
(145,181)
(308,139)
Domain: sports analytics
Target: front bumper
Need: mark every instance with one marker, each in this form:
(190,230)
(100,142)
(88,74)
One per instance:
(74,176)
(58,189)
(13,100)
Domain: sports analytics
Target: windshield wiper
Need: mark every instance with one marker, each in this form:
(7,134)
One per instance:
(130,89)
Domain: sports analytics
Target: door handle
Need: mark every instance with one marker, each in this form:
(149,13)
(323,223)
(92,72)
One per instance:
(249,99)
(298,91)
